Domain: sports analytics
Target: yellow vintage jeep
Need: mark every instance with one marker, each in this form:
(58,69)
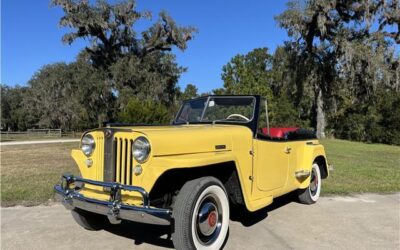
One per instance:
(219,151)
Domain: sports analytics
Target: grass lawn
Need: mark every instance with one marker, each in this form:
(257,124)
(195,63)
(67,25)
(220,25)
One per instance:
(361,167)
(28,172)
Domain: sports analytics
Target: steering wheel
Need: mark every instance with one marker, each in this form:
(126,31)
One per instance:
(238,115)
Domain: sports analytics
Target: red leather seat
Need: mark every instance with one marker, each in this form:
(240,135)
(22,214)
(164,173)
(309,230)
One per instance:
(278,132)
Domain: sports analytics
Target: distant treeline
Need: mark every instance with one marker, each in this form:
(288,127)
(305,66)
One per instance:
(338,73)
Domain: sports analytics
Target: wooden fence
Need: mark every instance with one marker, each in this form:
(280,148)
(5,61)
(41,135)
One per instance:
(48,132)
(38,133)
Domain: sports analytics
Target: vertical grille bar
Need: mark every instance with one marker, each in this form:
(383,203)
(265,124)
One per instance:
(129,165)
(123,161)
(109,149)
(114,155)
(118,160)
(99,156)
(126,170)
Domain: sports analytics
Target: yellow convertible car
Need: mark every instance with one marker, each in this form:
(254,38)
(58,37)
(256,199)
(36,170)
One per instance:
(219,151)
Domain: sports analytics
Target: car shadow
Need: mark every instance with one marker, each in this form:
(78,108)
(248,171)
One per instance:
(247,218)
(161,235)
(143,233)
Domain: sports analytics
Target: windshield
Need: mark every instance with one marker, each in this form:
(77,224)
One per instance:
(217,109)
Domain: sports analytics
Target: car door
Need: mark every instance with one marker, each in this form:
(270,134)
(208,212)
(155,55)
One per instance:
(271,161)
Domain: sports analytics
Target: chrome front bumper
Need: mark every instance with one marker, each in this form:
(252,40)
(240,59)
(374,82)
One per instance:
(114,209)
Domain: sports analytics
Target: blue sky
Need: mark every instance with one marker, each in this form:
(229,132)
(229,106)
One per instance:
(31,37)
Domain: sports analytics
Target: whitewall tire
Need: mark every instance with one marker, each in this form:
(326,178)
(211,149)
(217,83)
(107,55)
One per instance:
(201,214)
(311,194)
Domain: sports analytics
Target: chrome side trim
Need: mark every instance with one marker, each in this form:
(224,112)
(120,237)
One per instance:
(114,209)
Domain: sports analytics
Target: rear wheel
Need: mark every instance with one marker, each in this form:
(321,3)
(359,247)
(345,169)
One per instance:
(88,220)
(311,194)
(201,214)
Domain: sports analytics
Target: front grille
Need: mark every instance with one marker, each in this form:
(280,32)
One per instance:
(98,156)
(123,160)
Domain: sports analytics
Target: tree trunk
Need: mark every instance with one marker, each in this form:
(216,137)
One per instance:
(321,123)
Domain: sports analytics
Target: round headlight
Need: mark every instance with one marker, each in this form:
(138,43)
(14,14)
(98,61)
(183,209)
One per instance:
(88,145)
(141,149)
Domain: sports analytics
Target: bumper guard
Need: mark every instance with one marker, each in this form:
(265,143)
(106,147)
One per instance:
(114,209)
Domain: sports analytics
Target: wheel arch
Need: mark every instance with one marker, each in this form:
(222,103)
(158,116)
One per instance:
(323,166)
(172,180)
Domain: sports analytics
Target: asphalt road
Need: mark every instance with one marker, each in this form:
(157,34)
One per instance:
(359,222)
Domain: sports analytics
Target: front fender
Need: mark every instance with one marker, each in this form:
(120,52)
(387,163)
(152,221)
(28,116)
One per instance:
(160,165)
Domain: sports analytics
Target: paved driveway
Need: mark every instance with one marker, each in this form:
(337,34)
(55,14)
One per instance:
(359,222)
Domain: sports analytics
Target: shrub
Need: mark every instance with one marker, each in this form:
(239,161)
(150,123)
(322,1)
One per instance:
(376,123)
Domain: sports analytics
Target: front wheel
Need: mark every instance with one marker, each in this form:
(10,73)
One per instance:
(201,214)
(311,194)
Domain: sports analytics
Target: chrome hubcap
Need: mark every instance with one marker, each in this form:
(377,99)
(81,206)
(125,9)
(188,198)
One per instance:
(314,182)
(209,220)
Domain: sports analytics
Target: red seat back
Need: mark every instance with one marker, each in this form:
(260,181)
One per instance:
(278,132)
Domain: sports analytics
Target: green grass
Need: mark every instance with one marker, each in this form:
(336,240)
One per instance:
(28,172)
(361,167)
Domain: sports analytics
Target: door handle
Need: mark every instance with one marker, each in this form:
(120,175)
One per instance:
(287,150)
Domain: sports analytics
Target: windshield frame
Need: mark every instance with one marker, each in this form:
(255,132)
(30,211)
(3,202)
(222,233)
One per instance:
(252,123)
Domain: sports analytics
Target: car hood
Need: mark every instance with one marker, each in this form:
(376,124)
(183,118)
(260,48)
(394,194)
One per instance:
(188,139)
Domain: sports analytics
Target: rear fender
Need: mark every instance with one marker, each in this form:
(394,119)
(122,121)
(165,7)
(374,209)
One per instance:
(313,153)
